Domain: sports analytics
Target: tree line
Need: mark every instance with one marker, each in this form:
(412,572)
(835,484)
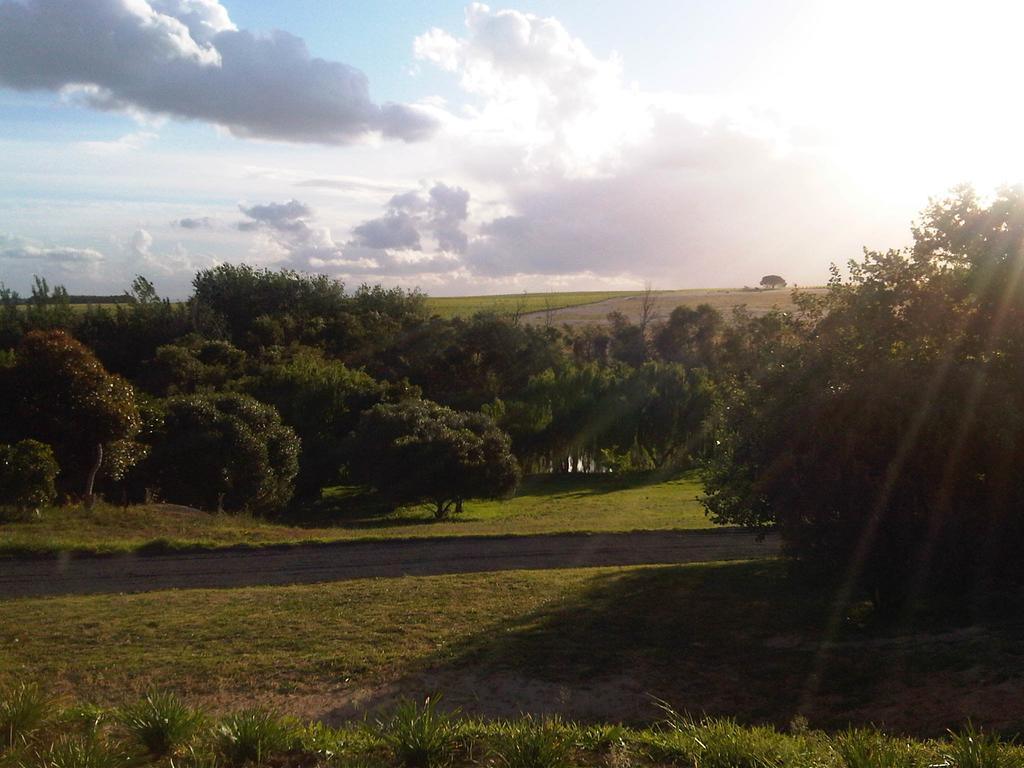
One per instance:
(879,427)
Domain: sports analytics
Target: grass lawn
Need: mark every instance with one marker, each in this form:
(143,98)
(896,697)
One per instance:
(737,639)
(544,504)
(465,306)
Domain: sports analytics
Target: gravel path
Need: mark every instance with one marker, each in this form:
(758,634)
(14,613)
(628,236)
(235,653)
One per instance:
(309,564)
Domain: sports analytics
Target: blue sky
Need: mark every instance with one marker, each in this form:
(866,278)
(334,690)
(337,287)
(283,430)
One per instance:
(472,149)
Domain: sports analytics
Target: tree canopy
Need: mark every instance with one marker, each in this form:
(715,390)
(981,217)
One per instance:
(417,451)
(885,437)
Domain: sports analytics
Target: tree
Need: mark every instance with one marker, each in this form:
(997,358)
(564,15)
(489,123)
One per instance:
(772,281)
(674,404)
(28,470)
(885,437)
(224,452)
(417,451)
(321,399)
(60,394)
(690,336)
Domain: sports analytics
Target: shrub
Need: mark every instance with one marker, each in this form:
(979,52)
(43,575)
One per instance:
(532,744)
(22,710)
(161,722)
(28,471)
(419,736)
(251,735)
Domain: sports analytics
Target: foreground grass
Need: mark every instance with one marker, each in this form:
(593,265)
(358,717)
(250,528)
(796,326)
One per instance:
(163,730)
(466,306)
(736,639)
(544,504)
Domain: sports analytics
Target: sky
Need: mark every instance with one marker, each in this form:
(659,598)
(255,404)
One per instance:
(466,149)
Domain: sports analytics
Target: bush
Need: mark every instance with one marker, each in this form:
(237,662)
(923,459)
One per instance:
(22,710)
(226,452)
(161,722)
(419,736)
(251,735)
(28,471)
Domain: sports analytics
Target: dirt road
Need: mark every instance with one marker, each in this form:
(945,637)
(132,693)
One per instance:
(339,562)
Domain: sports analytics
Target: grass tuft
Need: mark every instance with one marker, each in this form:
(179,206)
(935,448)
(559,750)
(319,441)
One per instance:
(77,752)
(250,736)
(419,736)
(23,709)
(161,722)
(973,748)
(529,743)
(723,743)
(867,748)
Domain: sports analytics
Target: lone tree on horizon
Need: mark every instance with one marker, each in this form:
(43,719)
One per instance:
(772,281)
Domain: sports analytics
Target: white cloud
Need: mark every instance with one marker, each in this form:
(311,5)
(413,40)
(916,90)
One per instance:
(599,178)
(545,100)
(185,58)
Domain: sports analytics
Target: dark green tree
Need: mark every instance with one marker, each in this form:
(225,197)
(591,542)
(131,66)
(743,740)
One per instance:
(884,433)
(418,452)
(60,394)
(223,452)
(321,399)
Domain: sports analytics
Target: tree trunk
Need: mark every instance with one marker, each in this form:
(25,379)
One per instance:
(90,481)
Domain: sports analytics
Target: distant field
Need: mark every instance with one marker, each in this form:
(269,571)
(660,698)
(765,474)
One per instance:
(585,307)
(543,505)
(725,300)
(466,306)
(82,308)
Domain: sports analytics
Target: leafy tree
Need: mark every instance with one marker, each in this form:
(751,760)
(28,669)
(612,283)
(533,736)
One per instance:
(321,399)
(628,343)
(126,338)
(261,307)
(60,394)
(194,364)
(690,336)
(417,451)
(674,404)
(884,436)
(223,452)
(772,281)
(28,471)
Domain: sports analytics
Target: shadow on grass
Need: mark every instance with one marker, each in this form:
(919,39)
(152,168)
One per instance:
(362,508)
(742,640)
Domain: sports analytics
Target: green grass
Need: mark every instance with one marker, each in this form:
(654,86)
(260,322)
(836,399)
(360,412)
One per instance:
(509,303)
(544,504)
(419,736)
(735,639)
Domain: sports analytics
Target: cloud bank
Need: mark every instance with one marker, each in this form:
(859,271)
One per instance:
(186,59)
